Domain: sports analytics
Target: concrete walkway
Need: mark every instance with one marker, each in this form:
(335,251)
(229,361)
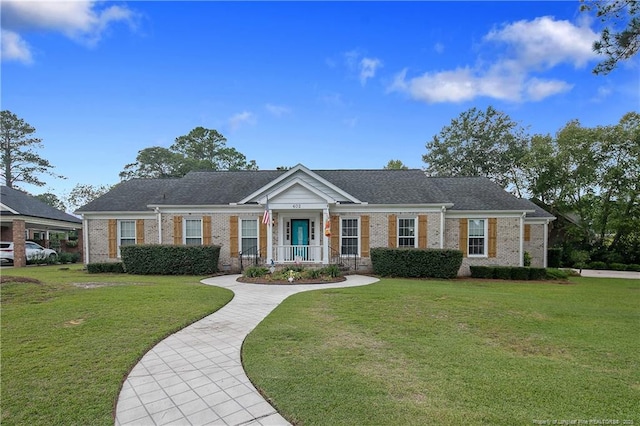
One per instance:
(195,376)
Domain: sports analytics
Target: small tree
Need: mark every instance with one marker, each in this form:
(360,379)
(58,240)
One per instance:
(20,162)
(396,165)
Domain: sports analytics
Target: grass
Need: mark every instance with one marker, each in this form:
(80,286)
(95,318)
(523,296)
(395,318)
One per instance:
(69,341)
(409,352)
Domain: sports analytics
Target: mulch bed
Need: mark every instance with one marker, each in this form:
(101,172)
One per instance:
(262,280)
(10,279)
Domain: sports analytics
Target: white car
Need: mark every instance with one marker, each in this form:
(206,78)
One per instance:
(34,251)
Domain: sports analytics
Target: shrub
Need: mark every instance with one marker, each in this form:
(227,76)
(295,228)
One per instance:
(618,267)
(332,271)
(482,271)
(68,257)
(520,274)
(255,271)
(105,268)
(537,274)
(416,263)
(502,272)
(313,273)
(554,257)
(557,274)
(597,265)
(526,259)
(162,259)
(633,267)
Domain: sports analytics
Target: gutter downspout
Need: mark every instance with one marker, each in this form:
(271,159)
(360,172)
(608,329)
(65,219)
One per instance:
(157,210)
(442,210)
(545,244)
(85,240)
(522,239)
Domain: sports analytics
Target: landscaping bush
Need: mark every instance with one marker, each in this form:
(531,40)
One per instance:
(105,268)
(502,272)
(68,257)
(618,267)
(332,271)
(633,267)
(255,271)
(557,274)
(520,274)
(161,259)
(597,265)
(554,257)
(537,274)
(416,263)
(482,271)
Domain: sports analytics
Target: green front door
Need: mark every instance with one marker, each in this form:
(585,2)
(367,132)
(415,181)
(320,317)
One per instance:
(300,237)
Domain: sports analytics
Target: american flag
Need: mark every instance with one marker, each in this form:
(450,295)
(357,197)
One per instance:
(265,216)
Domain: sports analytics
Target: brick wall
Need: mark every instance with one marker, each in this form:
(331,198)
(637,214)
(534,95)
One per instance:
(535,245)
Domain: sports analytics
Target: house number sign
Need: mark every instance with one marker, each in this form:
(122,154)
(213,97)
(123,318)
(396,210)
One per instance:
(297,206)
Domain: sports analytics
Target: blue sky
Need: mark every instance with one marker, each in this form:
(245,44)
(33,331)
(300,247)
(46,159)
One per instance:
(331,85)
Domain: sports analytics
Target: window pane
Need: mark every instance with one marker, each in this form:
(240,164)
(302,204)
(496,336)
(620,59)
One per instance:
(128,229)
(349,238)
(192,228)
(249,237)
(476,228)
(127,232)
(476,246)
(406,233)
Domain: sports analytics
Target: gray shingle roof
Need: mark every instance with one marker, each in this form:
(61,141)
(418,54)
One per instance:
(27,205)
(371,186)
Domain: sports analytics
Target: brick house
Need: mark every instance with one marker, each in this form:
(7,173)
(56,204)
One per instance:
(24,217)
(317,216)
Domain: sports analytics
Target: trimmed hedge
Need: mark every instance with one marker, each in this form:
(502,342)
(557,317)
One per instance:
(162,259)
(416,263)
(105,268)
(508,273)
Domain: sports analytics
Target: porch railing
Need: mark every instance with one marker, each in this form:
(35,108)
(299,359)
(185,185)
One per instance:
(299,253)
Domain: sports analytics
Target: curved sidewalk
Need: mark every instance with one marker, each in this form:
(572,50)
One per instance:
(195,376)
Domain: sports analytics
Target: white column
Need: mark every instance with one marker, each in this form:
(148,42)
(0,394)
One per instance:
(85,239)
(159,218)
(325,240)
(269,254)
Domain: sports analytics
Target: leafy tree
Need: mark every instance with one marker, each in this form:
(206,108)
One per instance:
(20,161)
(52,200)
(480,143)
(83,194)
(620,38)
(201,149)
(155,162)
(396,165)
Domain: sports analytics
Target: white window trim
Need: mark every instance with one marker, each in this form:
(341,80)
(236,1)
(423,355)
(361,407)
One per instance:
(253,219)
(485,248)
(358,228)
(184,230)
(119,232)
(415,231)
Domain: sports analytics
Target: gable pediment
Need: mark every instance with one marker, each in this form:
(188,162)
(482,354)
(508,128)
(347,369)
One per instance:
(300,185)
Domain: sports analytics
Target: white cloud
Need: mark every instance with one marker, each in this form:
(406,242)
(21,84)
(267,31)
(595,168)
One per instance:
(531,47)
(14,48)
(241,118)
(368,67)
(438,47)
(545,42)
(277,110)
(364,67)
(81,20)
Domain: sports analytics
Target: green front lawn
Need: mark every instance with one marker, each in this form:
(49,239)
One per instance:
(410,352)
(69,341)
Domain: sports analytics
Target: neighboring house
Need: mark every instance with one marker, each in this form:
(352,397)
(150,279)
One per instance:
(24,217)
(317,216)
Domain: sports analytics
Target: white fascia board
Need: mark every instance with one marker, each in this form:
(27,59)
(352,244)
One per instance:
(119,215)
(389,208)
(453,214)
(296,169)
(203,209)
(6,208)
(31,221)
(538,220)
